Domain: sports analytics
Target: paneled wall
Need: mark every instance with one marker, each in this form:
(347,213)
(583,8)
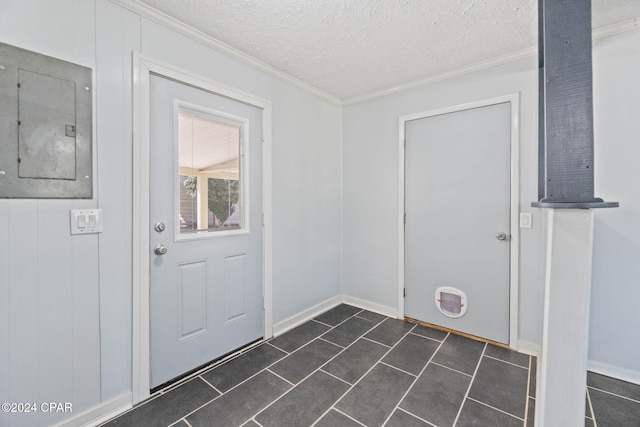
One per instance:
(65,301)
(49,280)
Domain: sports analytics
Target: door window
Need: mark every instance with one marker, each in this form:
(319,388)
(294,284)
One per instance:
(210,190)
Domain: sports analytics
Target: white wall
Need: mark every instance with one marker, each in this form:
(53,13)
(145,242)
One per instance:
(615,319)
(370,266)
(370,269)
(65,302)
(49,281)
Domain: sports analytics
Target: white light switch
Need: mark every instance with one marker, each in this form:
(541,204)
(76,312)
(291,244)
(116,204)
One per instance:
(86,221)
(525,220)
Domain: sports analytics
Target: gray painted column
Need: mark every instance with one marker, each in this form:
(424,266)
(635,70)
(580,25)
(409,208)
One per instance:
(566,187)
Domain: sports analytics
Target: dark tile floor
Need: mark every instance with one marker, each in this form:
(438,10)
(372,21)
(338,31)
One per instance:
(352,367)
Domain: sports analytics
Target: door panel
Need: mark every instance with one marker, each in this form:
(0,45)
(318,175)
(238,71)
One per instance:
(206,289)
(457,198)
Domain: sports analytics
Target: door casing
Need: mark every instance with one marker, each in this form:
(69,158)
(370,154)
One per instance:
(143,67)
(514,101)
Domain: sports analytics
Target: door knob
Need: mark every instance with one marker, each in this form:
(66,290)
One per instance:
(160,250)
(159,227)
(501,235)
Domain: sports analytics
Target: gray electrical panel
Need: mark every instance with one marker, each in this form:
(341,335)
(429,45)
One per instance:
(45,126)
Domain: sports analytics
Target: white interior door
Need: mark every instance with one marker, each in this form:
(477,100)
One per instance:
(206,238)
(457,202)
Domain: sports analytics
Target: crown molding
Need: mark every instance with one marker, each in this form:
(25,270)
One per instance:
(162,18)
(598,33)
(613,29)
(205,39)
(503,59)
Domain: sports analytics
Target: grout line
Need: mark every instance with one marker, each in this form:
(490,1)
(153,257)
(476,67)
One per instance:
(236,386)
(454,370)
(318,368)
(593,416)
(254,420)
(281,377)
(340,412)
(331,375)
(397,369)
(330,342)
(323,323)
(414,382)
(613,394)
(371,368)
(210,385)
(278,348)
(425,337)
(493,407)
(374,341)
(415,416)
(505,361)
(526,406)
(466,395)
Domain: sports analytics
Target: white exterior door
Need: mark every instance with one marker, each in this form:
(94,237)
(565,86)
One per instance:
(457,204)
(206,237)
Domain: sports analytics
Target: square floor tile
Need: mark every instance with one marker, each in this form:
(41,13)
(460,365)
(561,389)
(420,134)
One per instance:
(390,331)
(356,360)
(337,314)
(169,407)
(459,353)
(501,385)
(412,353)
(437,395)
(375,397)
(614,411)
(303,405)
(478,415)
(233,372)
(297,337)
(240,404)
(305,360)
(349,331)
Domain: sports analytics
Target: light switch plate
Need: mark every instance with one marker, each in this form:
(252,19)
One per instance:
(86,221)
(526,220)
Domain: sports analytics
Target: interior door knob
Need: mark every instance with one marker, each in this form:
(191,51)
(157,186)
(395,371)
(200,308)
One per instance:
(160,250)
(501,235)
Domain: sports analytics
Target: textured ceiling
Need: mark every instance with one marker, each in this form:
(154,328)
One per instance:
(352,48)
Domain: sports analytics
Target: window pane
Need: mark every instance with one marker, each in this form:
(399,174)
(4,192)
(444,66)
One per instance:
(209,174)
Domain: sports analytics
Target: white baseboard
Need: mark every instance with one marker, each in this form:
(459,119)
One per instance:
(628,375)
(99,413)
(371,306)
(530,348)
(308,314)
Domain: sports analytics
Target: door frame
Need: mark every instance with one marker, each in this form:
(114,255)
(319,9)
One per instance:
(514,101)
(143,67)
